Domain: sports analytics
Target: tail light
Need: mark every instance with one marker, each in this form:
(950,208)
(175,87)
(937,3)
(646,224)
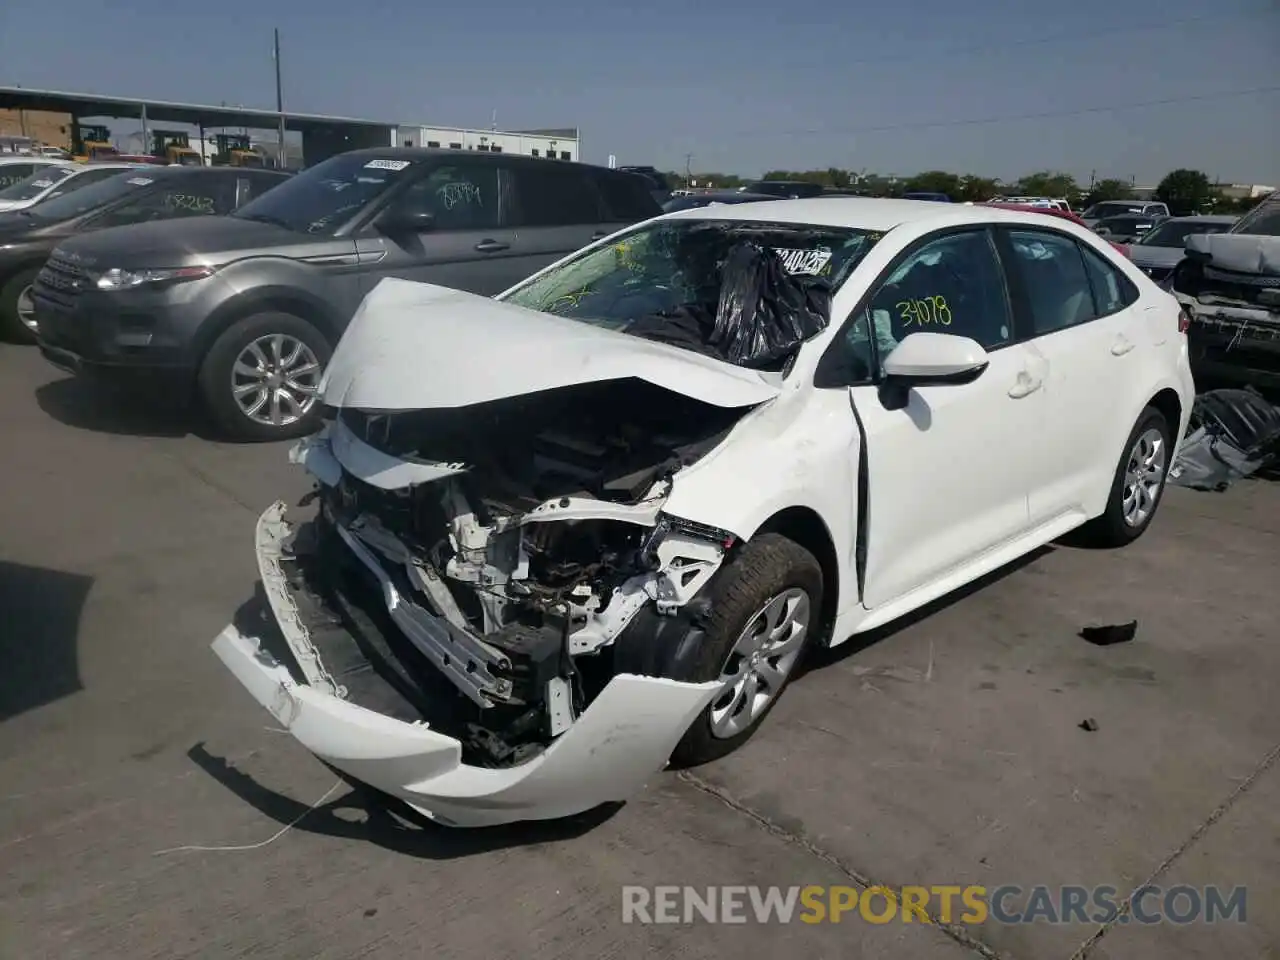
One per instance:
(1184,320)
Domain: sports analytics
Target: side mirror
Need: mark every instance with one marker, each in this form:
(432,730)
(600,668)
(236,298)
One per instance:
(933,359)
(406,221)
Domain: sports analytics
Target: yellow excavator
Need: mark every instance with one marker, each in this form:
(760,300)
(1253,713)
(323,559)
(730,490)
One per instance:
(91,141)
(174,146)
(234,150)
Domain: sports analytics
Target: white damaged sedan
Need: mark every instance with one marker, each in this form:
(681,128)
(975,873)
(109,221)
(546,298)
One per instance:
(562,536)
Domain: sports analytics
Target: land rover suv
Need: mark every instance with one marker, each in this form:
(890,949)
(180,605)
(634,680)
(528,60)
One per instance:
(245,310)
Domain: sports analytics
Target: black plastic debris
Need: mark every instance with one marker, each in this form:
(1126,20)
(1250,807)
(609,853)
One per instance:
(1232,434)
(1110,634)
(765,312)
(1090,725)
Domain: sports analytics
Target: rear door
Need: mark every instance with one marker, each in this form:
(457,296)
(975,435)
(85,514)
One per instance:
(1074,310)
(557,210)
(468,246)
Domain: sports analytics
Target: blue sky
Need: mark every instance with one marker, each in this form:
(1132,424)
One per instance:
(744,86)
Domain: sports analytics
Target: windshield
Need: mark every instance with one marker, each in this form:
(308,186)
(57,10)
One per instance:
(323,198)
(1262,221)
(662,280)
(1112,208)
(1174,234)
(95,195)
(36,184)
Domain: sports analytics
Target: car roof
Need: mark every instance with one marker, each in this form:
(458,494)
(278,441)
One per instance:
(861,213)
(484,156)
(17,158)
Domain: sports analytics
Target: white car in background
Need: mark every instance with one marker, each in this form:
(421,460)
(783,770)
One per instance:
(55,179)
(562,538)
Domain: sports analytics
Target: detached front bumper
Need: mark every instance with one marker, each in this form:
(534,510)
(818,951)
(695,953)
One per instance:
(624,736)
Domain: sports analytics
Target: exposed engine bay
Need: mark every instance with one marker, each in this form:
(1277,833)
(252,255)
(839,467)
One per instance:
(506,547)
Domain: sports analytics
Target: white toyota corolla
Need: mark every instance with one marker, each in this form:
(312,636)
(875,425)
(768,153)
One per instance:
(566,535)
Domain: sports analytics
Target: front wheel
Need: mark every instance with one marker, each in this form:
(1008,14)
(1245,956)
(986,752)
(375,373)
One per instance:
(1138,484)
(765,609)
(260,379)
(17,308)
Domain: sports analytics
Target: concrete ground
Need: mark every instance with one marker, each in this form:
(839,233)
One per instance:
(947,751)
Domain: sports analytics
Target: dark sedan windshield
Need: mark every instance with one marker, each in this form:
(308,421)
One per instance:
(36,184)
(73,204)
(1175,233)
(320,200)
(662,277)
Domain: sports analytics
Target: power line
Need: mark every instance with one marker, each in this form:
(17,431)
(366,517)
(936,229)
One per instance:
(1008,118)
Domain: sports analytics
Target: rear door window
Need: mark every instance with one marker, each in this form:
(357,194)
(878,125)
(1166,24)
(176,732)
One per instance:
(1056,286)
(554,195)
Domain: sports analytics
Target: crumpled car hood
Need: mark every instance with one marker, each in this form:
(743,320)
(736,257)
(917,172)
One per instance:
(1239,252)
(418,346)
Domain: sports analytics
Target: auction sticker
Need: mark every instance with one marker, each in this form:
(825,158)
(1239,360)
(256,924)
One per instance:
(140,181)
(386,164)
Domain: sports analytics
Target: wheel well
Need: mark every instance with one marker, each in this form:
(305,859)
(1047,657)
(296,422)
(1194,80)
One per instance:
(803,526)
(276,302)
(1167,402)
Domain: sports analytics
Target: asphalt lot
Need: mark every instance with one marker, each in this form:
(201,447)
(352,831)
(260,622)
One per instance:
(948,751)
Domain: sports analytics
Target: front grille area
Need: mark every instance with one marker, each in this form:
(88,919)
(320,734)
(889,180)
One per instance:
(61,280)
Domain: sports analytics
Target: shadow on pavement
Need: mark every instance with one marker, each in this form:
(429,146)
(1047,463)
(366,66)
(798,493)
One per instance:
(106,408)
(40,611)
(390,823)
(862,641)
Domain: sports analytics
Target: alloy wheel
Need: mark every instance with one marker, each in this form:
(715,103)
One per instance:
(1143,477)
(27,309)
(760,662)
(275,380)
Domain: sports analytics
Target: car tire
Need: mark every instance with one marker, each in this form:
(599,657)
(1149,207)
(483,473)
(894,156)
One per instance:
(769,570)
(12,291)
(251,343)
(1137,475)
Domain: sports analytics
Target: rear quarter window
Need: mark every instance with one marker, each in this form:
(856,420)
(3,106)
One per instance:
(626,197)
(1112,290)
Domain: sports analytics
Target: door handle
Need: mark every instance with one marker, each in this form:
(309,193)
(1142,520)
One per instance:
(492,246)
(1025,385)
(1122,345)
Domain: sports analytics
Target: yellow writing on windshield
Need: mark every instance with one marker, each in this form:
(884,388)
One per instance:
(924,311)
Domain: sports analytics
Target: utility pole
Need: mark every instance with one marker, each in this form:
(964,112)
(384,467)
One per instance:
(688,172)
(280,155)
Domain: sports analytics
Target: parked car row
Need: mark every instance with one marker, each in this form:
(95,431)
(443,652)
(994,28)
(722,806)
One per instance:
(234,285)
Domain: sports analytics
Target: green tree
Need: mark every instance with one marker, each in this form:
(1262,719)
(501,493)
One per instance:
(978,189)
(1105,190)
(1048,183)
(1185,192)
(935,181)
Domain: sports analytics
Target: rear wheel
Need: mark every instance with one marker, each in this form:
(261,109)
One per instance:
(1138,484)
(764,612)
(260,378)
(17,309)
